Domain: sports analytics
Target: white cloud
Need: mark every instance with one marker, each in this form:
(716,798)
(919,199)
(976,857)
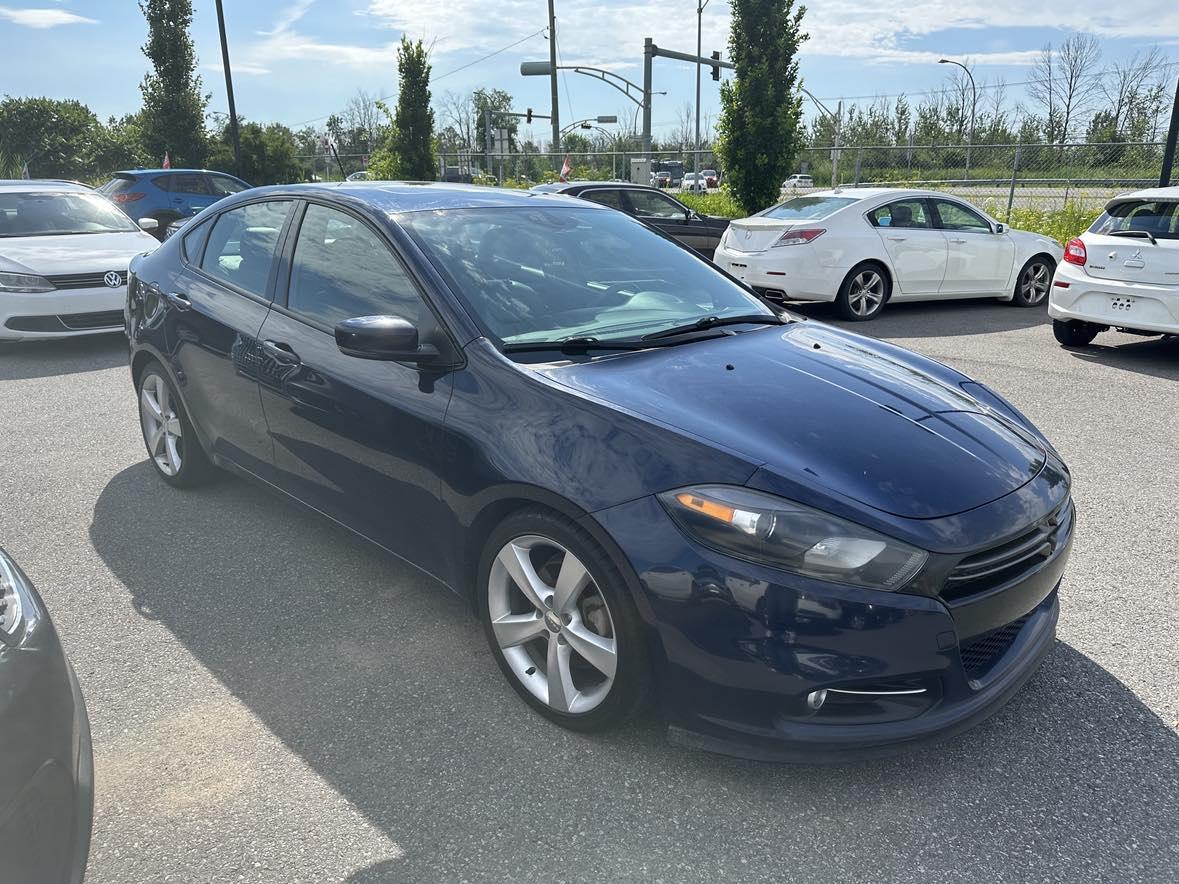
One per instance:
(288,17)
(44,18)
(239,67)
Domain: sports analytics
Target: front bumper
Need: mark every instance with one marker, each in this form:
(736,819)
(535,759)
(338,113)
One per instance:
(739,647)
(61,314)
(790,273)
(1109,302)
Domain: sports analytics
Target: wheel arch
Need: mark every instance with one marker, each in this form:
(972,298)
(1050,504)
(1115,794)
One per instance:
(873,261)
(141,359)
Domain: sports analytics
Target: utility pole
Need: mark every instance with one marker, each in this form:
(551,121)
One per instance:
(556,148)
(1172,136)
(237,146)
(648,57)
(699,27)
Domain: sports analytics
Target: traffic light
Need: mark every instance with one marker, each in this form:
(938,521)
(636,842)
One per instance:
(716,67)
(528,116)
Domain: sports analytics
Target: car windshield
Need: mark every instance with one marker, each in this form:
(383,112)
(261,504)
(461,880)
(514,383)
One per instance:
(550,274)
(808,208)
(1160,218)
(49,214)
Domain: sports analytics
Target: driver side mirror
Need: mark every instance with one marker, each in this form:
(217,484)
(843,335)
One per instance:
(387,338)
(999,227)
(148,224)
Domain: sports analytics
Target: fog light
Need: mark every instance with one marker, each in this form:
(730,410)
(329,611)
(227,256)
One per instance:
(816,699)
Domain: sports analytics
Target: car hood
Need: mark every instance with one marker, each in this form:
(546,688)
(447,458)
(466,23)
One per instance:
(73,253)
(861,419)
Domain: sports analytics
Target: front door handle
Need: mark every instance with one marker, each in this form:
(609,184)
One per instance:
(898,238)
(958,240)
(281,352)
(179,301)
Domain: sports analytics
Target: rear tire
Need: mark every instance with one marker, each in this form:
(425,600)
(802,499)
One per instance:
(550,624)
(1033,283)
(172,444)
(1074,332)
(864,292)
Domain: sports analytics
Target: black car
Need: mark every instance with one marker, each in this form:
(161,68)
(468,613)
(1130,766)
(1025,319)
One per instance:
(654,490)
(47,787)
(662,211)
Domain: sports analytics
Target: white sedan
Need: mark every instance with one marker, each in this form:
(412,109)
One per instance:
(64,252)
(863,247)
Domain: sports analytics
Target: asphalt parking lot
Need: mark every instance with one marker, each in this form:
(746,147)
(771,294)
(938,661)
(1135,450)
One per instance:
(274,700)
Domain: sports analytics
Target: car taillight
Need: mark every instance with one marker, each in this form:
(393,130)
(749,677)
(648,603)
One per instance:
(128,197)
(799,237)
(1074,253)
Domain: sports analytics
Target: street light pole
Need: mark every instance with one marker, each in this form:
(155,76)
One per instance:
(237,146)
(699,28)
(556,114)
(973,107)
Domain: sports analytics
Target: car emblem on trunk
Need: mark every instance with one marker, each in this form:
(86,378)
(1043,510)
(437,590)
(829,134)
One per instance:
(748,233)
(113,279)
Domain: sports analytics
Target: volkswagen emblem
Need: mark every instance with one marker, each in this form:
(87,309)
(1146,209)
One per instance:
(113,279)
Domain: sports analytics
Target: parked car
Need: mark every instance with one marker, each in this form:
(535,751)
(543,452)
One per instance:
(797,182)
(47,791)
(694,183)
(711,177)
(653,488)
(660,210)
(168,194)
(64,252)
(864,247)
(661,179)
(1123,272)
(358,176)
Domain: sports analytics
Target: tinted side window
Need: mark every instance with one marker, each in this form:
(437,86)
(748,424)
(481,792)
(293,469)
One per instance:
(342,269)
(223,185)
(242,244)
(957,217)
(902,213)
(655,205)
(611,198)
(192,241)
(183,182)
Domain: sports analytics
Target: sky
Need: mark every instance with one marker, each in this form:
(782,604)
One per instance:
(297,61)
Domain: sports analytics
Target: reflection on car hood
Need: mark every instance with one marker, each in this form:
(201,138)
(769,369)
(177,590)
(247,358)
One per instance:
(73,253)
(819,406)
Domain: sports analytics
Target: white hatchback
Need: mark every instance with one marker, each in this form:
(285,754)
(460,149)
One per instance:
(1123,272)
(64,251)
(864,247)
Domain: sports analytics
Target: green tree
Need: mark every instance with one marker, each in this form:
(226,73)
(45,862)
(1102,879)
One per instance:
(268,153)
(173,118)
(58,139)
(413,123)
(759,130)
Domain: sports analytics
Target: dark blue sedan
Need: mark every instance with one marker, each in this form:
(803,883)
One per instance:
(655,490)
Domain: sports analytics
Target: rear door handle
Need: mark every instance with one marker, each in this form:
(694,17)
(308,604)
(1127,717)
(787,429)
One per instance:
(281,352)
(958,240)
(179,301)
(898,238)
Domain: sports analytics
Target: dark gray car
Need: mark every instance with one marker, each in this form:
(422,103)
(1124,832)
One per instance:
(46,762)
(660,210)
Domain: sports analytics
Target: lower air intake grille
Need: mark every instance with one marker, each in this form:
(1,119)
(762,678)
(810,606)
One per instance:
(980,654)
(103,319)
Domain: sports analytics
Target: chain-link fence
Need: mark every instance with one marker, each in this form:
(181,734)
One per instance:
(999,177)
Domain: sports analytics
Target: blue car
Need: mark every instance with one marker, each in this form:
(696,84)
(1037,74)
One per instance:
(169,194)
(655,490)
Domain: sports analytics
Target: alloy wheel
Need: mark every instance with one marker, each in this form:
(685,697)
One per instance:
(1034,282)
(866,293)
(552,624)
(161,425)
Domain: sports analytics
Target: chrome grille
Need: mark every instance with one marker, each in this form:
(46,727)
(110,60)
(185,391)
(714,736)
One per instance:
(84,280)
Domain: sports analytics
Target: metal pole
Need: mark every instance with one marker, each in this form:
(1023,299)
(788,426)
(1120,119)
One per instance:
(696,143)
(973,107)
(648,55)
(487,139)
(1172,136)
(237,146)
(1014,172)
(556,114)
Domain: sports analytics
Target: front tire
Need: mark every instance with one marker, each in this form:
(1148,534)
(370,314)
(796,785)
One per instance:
(1033,282)
(863,293)
(561,623)
(1074,332)
(172,445)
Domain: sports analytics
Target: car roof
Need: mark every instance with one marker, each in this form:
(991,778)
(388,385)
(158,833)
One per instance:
(41,185)
(575,186)
(1149,193)
(419,196)
(141,172)
(866,193)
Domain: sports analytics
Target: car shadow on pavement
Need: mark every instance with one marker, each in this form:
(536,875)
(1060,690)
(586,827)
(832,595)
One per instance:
(934,319)
(1158,357)
(40,359)
(379,679)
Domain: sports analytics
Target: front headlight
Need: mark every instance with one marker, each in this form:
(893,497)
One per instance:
(15,604)
(24,282)
(797,538)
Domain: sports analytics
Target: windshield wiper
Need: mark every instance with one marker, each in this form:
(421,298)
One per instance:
(707,322)
(1142,234)
(575,345)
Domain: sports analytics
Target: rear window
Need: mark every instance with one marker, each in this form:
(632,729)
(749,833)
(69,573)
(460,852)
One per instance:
(115,185)
(1157,217)
(808,208)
